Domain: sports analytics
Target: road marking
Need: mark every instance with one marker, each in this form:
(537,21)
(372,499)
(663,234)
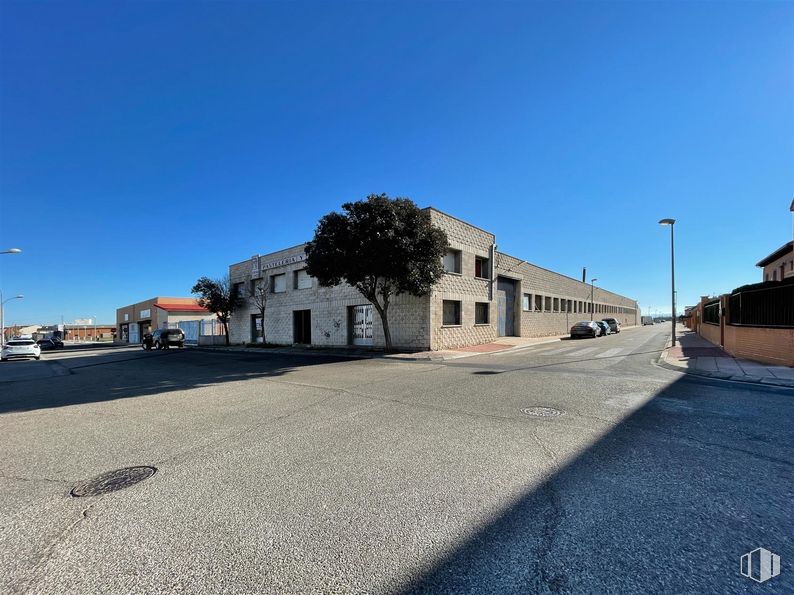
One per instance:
(611,352)
(581,351)
(556,351)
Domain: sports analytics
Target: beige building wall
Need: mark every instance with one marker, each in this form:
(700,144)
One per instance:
(418,323)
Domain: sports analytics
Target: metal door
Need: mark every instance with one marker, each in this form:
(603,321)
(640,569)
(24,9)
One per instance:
(191,330)
(361,329)
(302,326)
(505,300)
(501,318)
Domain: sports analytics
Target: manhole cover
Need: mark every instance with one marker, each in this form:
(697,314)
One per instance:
(542,411)
(112,481)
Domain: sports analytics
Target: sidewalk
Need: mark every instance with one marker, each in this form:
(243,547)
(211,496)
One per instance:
(694,355)
(501,345)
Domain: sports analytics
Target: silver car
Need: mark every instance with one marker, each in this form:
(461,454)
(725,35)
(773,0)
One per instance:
(20,348)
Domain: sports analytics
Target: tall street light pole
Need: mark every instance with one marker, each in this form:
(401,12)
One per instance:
(592,298)
(671,223)
(19,297)
(2,315)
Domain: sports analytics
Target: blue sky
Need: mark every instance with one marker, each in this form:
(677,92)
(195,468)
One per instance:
(568,129)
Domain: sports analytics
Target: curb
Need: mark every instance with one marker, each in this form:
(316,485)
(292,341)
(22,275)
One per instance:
(282,352)
(745,379)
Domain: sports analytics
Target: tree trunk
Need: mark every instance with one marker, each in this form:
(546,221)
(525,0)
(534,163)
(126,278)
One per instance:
(384,319)
(225,324)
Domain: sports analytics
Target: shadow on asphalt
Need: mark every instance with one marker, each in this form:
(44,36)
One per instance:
(667,501)
(160,371)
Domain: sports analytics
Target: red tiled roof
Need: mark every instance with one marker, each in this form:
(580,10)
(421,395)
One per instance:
(168,307)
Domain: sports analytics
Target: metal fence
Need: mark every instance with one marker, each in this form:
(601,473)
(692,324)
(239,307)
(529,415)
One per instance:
(768,306)
(711,312)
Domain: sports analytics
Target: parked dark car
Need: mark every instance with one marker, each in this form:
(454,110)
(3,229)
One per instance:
(604,328)
(585,328)
(614,325)
(49,344)
(163,338)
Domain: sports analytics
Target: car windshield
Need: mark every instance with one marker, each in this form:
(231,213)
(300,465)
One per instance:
(22,342)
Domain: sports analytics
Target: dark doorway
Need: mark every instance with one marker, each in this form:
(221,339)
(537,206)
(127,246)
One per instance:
(505,300)
(302,326)
(256,328)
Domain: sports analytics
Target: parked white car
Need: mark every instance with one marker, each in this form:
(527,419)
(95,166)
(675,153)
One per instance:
(20,348)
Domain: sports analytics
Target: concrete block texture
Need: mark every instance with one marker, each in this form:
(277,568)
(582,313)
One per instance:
(417,323)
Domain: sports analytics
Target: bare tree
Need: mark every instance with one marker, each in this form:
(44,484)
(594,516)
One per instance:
(259,297)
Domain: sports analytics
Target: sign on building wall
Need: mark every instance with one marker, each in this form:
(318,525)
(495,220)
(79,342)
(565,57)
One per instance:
(255,270)
(283,261)
(84,321)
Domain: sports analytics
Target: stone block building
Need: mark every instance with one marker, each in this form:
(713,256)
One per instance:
(484,294)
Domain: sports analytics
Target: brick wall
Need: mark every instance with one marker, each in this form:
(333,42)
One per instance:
(417,323)
(710,332)
(463,287)
(767,345)
(330,324)
(535,280)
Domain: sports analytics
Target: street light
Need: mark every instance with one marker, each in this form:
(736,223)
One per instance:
(671,223)
(2,315)
(592,299)
(11,251)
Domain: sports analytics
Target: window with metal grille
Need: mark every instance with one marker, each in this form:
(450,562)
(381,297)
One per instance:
(481,269)
(451,313)
(481,313)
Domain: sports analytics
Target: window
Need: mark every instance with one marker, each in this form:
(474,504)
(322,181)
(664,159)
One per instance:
(302,280)
(278,283)
(481,268)
(451,315)
(452,261)
(569,305)
(481,313)
(538,303)
(556,304)
(547,304)
(526,303)
(239,288)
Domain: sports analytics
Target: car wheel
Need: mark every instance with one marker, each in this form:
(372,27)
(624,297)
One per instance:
(180,345)
(3,359)
(37,357)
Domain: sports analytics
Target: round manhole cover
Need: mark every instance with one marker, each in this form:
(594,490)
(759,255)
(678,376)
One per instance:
(112,481)
(542,411)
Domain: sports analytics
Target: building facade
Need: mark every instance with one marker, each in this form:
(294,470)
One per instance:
(780,264)
(483,295)
(135,320)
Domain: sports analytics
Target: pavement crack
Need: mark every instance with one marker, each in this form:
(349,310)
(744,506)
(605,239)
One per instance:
(33,479)
(49,549)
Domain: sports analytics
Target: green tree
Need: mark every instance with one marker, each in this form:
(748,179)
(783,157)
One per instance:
(218,296)
(383,247)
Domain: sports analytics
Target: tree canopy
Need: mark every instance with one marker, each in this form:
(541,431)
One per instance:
(381,246)
(218,296)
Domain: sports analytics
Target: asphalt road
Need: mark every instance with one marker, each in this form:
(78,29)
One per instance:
(309,474)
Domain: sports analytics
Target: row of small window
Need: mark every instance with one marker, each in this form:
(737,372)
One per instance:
(544,303)
(453,259)
(451,315)
(278,283)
